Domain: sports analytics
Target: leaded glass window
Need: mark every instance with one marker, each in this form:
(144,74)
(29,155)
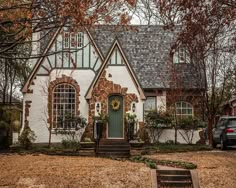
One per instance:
(64,106)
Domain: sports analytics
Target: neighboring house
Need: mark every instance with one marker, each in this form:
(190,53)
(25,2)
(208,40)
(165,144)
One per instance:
(229,108)
(12,112)
(94,68)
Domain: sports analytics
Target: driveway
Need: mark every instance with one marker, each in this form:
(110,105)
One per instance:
(216,169)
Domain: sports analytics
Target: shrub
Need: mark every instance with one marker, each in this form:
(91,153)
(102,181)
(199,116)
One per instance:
(155,122)
(27,137)
(170,142)
(4,125)
(70,144)
(87,139)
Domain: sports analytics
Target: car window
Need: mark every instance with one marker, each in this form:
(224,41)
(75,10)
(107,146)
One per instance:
(220,123)
(232,123)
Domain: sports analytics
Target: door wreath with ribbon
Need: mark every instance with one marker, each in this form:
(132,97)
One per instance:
(115,103)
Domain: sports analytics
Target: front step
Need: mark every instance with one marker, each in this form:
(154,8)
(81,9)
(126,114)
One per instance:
(113,148)
(174,178)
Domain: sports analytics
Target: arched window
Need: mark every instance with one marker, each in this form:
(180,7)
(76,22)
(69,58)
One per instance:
(63,106)
(183,109)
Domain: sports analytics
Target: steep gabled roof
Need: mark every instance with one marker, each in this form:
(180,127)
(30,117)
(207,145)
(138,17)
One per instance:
(117,45)
(46,49)
(45,46)
(147,49)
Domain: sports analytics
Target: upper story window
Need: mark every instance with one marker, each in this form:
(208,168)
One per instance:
(64,106)
(181,55)
(73,40)
(183,110)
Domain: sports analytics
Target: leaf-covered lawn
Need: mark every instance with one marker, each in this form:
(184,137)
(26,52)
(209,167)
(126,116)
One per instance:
(216,169)
(57,171)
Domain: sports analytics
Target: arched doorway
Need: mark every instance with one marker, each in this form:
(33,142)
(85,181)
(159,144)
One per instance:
(115,113)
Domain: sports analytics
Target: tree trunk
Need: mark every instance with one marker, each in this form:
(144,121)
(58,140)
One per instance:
(210,127)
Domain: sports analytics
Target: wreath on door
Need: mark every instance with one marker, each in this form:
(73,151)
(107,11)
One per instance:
(115,103)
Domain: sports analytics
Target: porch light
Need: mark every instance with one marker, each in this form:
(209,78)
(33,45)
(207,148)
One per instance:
(133,107)
(98,107)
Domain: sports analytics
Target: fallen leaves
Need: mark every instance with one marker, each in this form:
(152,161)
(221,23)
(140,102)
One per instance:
(215,169)
(56,171)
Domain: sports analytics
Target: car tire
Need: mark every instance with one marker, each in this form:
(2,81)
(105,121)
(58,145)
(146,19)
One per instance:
(222,144)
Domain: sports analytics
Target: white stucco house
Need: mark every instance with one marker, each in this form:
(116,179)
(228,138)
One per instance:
(84,72)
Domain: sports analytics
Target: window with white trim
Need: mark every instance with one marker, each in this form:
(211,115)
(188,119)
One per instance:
(64,105)
(149,105)
(183,110)
(80,40)
(66,38)
(73,40)
(181,55)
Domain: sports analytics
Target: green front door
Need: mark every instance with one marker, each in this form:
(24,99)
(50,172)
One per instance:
(115,113)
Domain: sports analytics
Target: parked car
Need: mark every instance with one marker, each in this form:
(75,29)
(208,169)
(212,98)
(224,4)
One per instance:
(224,132)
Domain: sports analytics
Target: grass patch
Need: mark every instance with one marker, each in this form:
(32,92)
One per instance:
(152,163)
(172,148)
(177,164)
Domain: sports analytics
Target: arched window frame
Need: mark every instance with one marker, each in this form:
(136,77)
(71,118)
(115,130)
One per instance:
(65,102)
(183,109)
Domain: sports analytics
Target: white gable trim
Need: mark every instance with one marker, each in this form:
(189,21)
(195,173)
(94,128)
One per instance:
(40,61)
(137,85)
(44,55)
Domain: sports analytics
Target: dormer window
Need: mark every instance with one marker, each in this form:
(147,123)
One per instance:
(181,55)
(73,40)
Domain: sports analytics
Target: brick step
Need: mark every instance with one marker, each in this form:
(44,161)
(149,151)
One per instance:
(87,145)
(113,154)
(87,149)
(175,184)
(173,172)
(174,178)
(113,146)
(113,151)
(115,143)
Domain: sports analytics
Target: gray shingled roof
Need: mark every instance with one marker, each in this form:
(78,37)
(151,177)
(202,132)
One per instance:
(147,49)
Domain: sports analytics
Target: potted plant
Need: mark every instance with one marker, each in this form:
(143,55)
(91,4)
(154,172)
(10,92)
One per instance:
(100,121)
(131,120)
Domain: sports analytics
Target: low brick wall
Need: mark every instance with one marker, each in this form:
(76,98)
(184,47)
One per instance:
(169,134)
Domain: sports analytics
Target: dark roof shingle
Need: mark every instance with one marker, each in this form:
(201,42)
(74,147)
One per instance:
(147,49)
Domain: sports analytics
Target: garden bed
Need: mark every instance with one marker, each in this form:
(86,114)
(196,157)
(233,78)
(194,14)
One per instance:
(175,148)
